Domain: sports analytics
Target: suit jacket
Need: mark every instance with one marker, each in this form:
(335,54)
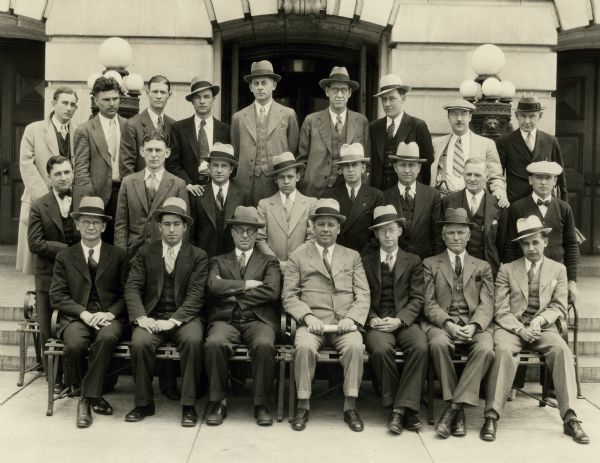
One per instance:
(262,301)
(512,293)
(130,160)
(408,285)
(280,238)
(515,156)
(480,147)
(423,236)
(71,283)
(315,147)
(185,158)
(411,129)
(354,232)
(146,278)
(93,172)
(308,288)
(478,290)
(134,225)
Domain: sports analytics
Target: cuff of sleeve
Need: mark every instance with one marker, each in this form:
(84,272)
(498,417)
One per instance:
(177,322)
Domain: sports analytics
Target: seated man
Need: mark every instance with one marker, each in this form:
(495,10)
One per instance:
(244,285)
(165,296)
(87,290)
(531,294)
(459,306)
(396,284)
(325,284)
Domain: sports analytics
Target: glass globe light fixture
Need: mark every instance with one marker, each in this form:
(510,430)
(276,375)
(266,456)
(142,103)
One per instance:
(115,53)
(507,89)
(92,79)
(134,83)
(488,60)
(115,75)
(469,89)
(491,87)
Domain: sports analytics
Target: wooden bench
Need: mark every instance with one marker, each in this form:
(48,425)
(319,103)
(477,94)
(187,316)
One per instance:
(27,328)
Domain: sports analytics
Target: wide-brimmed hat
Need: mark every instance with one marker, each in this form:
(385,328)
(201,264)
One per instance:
(351,153)
(528,226)
(328,207)
(222,152)
(528,103)
(391,82)
(198,85)
(460,103)
(544,168)
(456,216)
(173,205)
(245,216)
(407,152)
(383,215)
(91,205)
(262,68)
(284,161)
(338,74)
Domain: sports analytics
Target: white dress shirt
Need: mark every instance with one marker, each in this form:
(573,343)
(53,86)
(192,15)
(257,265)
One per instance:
(397,121)
(158,175)
(208,128)
(383,256)
(215,189)
(413,189)
(538,265)
(176,249)
(64,204)
(105,122)
(334,116)
(292,197)
(267,107)
(543,209)
(154,117)
(452,257)
(455,182)
(356,188)
(86,251)
(59,125)
(329,252)
(474,200)
(533,135)
(248,254)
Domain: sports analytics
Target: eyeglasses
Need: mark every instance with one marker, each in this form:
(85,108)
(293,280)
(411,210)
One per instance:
(248,231)
(95,223)
(335,90)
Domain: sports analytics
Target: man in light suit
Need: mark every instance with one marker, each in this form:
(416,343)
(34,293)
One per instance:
(451,151)
(244,285)
(459,306)
(261,131)
(324,132)
(41,140)
(150,119)
(285,214)
(326,291)
(531,294)
(97,144)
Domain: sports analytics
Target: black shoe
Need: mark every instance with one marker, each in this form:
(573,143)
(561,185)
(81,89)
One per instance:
(444,424)
(59,388)
(172,393)
(300,418)
(189,417)
(459,428)
(395,421)
(217,412)
(101,406)
(353,419)
(573,428)
(262,415)
(84,413)
(488,430)
(140,412)
(411,421)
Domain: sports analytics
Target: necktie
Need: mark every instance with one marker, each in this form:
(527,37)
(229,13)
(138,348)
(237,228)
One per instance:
(159,125)
(152,187)
(287,206)
(92,264)
(325,261)
(220,201)
(531,273)
(529,141)
(473,205)
(62,194)
(459,160)
(170,260)
(64,131)
(457,266)
(389,260)
(338,124)
(389,133)
(112,139)
(541,202)
(261,115)
(203,148)
(408,197)
(242,262)
(352,195)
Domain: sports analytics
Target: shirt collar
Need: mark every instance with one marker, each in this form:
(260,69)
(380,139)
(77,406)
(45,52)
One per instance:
(86,251)
(334,116)
(383,254)
(58,198)
(330,249)
(356,188)
(176,248)
(397,120)
(413,189)
(537,264)
(524,134)
(452,256)
(159,174)
(292,196)
(463,136)
(536,197)
(248,254)
(105,121)
(216,187)
(267,106)
(478,196)
(154,116)
(198,120)
(58,124)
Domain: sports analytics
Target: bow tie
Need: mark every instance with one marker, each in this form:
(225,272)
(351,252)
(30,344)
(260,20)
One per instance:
(62,194)
(543,203)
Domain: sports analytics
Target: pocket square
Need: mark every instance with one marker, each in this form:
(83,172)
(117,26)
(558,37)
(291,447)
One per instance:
(553,283)
(494,222)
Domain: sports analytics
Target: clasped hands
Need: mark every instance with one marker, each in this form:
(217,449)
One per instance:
(386,324)
(316,326)
(155,326)
(534,331)
(97,320)
(460,333)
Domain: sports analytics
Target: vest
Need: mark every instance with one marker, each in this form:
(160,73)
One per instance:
(261,162)
(407,209)
(533,304)
(64,148)
(459,310)
(150,195)
(166,302)
(93,303)
(386,302)
(220,221)
(476,243)
(337,140)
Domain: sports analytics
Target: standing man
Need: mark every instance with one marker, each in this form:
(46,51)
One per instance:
(151,119)
(87,290)
(245,285)
(397,126)
(325,285)
(451,151)
(525,145)
(192,139)
(42,140)
(260,132)
(323,133)
(97,151)
(165,297)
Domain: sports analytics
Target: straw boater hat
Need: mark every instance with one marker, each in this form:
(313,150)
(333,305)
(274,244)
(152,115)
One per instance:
(528,226)
(528,104)
(351,153)
(544,168)
(245,216)
(283,162)
(456,216)
(407,152)
(327,207)
(338,74)
(92,206)
(460,103)
(173,205)
(383,215)
(198,85)
(262,68)
(221,152)
(391,82)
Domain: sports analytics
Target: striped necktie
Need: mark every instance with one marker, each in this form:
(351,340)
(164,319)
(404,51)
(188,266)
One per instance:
(459,158)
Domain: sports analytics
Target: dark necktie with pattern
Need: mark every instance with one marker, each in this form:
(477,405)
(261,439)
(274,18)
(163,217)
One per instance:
(92,264)
(352,195)
(541,202)
(242,263)
(220,199)
(389,133)
(203,149)
(160,125)
(457,266)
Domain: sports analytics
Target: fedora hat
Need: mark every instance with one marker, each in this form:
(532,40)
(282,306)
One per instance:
(245,216)
(544,168)
(391,82)
(327,207)
(407,152)
(528,226)
(283,162)
(460,103)
(198,84)
(173,205)
(528,103)
(351,153)
(383,215)
(456,216)
(91,205)
(222,152)
(338,74)
(262,68)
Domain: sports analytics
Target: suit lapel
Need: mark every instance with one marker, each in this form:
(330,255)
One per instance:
(358,206)
(192,137)
(545,279)
(374,265)
(146,121)
(352,123)
(253,265)
(379,132)
(420,201)
(274,117)
(404,129)
(520,147)
(324,126)
(279,211)
(446,268)
(156,265)
(182,268)
(468,269)
(232,201)
(233,264)
(53,212)
(100,139)
(139,187)
(249,118)
(520,274)
(50,138)
(164,187)
(489,214)
(207,202)
(399,267)
(540,149)
(317,262)
(79,262)
(104,262)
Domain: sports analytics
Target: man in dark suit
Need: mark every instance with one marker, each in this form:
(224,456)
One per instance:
(192,139)
(420,205)
(244,286)
(397,126)
(150,119)
(525,145)
(165,296)
(87,290)
(396,284)
(357,201)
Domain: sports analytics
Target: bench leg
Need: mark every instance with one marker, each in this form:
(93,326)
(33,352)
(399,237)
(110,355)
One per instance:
(51,376)
(430,380)
(22,357)
(280,388)
(292,396)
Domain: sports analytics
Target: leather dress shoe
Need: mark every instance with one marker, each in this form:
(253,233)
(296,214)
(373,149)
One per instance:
(217,412)
(189,417)
(59,387)
(300,418)
(172,393)
(488,430)
(84,413)
(444,424)
(459,428)
(353,419)
(263,416)
(573,428)
(395,421)
(101,406)
(411,421)
(140,412)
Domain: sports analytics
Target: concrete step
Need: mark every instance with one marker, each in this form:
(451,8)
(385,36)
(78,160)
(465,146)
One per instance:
(9,357)
(8,254)
(589,368)
(590,266)
(9,334)
(11,313)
